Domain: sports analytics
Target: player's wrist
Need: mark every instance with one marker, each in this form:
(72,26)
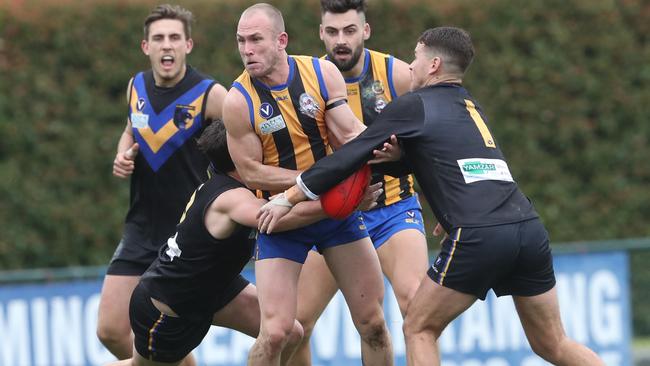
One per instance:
(302,189)
(281,200)
(295,195)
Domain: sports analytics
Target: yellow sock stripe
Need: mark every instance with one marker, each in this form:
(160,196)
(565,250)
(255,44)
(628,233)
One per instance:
(152,331)
(451,256)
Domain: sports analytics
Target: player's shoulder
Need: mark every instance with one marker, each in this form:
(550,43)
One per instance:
(375,53)
(196,73)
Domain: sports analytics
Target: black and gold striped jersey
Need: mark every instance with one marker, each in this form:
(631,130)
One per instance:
(289,118)
(368,94)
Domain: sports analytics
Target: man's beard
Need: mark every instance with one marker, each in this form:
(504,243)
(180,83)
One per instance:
(345,65)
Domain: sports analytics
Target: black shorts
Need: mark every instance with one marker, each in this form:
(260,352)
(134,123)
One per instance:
(160,337)
(164,338)
(131,260)
(513,259)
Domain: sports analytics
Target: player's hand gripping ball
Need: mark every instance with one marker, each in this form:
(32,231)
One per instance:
(342,199)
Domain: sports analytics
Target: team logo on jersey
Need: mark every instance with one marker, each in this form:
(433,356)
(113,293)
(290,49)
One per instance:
(172,248)
(380,104)
(184,116)
(266,110)
(378,87)
(436,264)
(308,105)
(140,104)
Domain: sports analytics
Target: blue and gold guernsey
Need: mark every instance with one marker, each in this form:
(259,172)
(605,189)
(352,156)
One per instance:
(169,165)
(289,118)
(290,122)
(368,94)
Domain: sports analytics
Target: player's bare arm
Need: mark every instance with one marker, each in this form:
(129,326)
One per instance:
(273,213)
(245,148)
(240,206)
(214,104)
(123,164)
(341,122)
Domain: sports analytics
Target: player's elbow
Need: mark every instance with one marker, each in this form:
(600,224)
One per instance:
(251,178)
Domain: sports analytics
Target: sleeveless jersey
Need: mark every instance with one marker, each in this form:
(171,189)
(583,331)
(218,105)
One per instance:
(169,165)
(368,94)
(194,267)
(289,118)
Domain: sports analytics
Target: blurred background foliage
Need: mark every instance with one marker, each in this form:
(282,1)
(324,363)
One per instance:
(565,85)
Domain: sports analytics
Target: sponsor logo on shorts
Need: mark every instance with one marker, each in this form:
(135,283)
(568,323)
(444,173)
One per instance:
(411,218)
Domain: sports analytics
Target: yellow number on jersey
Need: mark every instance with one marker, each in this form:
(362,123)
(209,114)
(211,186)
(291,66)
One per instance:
(480,124)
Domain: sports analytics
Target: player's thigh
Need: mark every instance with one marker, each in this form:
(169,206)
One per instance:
(356,268)
(434,306)
(404,260)
(540,316)
(242,313)
(277,286)
(316,287)
(114,301)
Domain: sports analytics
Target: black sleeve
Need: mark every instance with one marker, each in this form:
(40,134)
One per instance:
(395,169)
(402,117)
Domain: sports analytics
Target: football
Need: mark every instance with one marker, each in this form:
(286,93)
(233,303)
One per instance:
(342,199)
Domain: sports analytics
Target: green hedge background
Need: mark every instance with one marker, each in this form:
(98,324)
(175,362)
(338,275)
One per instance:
(566,87)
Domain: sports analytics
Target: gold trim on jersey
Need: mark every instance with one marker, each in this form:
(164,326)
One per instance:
(289,119)
(366,102)
(155,140)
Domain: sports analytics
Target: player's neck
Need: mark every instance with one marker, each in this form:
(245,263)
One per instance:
(445,79)
(279,74)
(169,83)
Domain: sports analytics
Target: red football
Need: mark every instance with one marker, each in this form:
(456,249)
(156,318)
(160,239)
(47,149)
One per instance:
(342,199)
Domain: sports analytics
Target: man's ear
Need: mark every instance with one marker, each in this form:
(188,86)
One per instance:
(435,65)
(283,40)
(145,47)
(190,45)
(366,31)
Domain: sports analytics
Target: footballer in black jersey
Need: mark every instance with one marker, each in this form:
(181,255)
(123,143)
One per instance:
(195,282)
(495,238)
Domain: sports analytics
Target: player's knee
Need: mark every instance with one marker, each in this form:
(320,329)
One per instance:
(414,325)
(276,337)
(307,327)
(548,348)
(375,335)
(111,335)
(297,333)
(404,298)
